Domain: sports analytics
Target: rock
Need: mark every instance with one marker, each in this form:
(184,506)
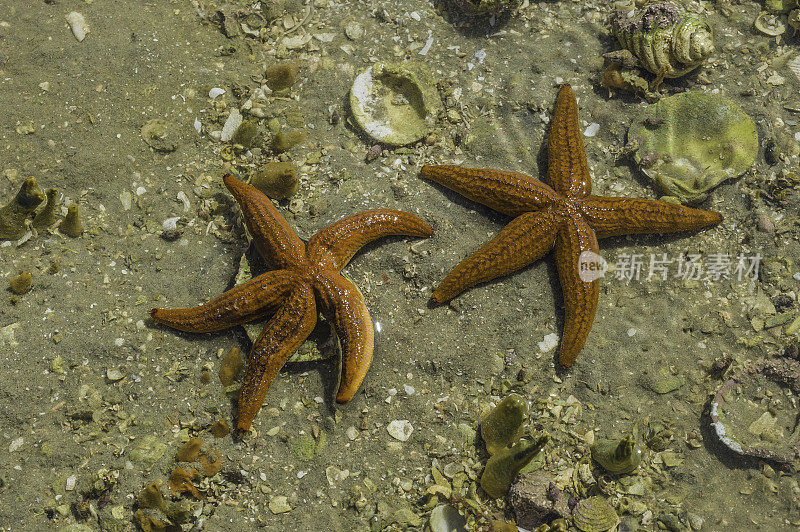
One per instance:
(400,429)
(536,500)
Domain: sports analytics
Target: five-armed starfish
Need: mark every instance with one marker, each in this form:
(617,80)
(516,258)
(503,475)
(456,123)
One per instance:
(307,275)
(563,215)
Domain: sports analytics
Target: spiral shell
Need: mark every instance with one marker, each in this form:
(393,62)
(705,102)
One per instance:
(594,514)
(665,40)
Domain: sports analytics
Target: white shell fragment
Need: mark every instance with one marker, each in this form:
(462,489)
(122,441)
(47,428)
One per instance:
(231,125)
(400,429)
(216,91)
(78,25)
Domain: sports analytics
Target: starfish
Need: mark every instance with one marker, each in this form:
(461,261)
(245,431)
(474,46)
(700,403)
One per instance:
(307,278)
(565,216)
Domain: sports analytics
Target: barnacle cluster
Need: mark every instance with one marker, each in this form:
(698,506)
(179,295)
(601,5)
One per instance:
(666,40)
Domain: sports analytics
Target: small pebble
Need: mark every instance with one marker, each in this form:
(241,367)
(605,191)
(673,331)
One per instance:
(278,180)
(765,224)
(400,429)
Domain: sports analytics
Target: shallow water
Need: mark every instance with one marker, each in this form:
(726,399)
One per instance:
(89,382)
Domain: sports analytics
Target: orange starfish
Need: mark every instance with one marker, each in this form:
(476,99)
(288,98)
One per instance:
(564,216)
(307,277)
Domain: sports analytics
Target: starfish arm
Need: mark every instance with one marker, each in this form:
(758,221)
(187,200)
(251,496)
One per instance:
(240,304)
(611,216)
(344,305)
(568,171)
(524,240)
(275,240)
(334,246)
(580,297)
(282,335)
(507,192)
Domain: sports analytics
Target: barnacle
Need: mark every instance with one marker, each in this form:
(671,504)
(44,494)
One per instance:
(618,456)
(667,41)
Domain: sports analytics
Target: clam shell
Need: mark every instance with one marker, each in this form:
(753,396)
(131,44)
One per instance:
(594,514)
(394,104)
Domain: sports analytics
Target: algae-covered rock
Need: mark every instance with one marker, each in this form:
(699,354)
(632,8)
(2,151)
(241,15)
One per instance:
(394,104)
(689,143)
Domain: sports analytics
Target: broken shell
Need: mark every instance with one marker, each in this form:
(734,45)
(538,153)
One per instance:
(769,24)
(160,135)
(394,104)
(78,25)
(594,514)
(702,140)
(504,425)
(755,412)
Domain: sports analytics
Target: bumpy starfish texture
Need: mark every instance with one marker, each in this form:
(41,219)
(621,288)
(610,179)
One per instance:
(564,216)
(307,278)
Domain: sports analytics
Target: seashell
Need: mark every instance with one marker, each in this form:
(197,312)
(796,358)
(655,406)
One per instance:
(160,135)
(503,467)
(618,456)
(394,104)
(667,41)
(760,428)
(505,423)
(700,141)
(594,514)
(769,24)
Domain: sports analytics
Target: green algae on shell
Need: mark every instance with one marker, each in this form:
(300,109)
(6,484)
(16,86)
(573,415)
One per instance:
(618,457)
(394,104)
(276,179)
(594,514)
(21,284)
(15,215)
(503,466)
(689,143)
(504,424)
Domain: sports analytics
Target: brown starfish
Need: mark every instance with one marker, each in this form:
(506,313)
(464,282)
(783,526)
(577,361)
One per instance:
(307,276)
(563,215)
